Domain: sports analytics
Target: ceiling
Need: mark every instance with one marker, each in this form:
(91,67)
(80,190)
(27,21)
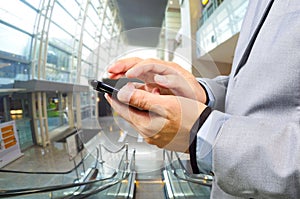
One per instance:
(135,14)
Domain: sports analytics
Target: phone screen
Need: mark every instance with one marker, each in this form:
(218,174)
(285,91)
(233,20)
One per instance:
(104,88)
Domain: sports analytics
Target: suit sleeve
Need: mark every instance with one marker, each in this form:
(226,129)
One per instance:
(216,89)
(265,158)
(251,157)
(207,126)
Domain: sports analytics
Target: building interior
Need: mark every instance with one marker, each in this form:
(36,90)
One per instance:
(59,137)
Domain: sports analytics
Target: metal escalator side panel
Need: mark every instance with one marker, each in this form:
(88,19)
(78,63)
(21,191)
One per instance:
(131,188)
(168,187)
(184,186)
(90,175)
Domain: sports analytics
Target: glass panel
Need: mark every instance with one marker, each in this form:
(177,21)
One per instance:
(19,111)
(18,14)
(85,107)
(10,44)
(60,38)
(34,3)
(58,65)
(89,40)
(3,113)
(74,70)
(11,71)
(90,26)
(56,115)
(71,6)
(86,53)
(105,34)
(93,15)
(68,23)
(225,23)
(91,177)
(24,133)
(180,183)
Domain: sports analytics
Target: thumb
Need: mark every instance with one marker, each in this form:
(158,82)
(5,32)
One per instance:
(141,99)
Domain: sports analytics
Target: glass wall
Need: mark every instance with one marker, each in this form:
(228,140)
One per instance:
(58,41)
(208,8)
(225,23)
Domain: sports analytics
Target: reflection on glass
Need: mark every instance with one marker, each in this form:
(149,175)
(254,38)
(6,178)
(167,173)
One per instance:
(12,70)
(56,111)
(18,107)
(58,65)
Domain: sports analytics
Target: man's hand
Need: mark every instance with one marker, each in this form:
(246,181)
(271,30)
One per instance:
(168,77)
(166,120)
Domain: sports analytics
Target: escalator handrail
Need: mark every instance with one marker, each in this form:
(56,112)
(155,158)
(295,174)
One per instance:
(125,175)
(110,151)
(202,179)
(53,172)
(197,176)
(18,192)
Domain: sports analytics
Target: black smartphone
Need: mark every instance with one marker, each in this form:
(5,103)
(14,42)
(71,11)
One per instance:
(104,88)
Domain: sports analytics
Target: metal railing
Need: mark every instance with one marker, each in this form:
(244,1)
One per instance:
(180,183)
(89,184)
(202,179)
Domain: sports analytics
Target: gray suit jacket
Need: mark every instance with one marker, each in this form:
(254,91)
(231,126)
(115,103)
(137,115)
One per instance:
(257,151)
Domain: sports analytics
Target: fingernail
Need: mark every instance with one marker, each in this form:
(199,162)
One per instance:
(125,93)
(160,79)
(129,73)
(108,68)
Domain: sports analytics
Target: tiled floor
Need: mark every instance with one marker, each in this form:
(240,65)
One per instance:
(113,133)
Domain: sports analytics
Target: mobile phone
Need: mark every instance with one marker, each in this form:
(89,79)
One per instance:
(104,88)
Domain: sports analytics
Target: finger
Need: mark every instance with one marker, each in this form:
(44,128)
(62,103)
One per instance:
(147,124)
(122,66)
(152,88)
(147,71)
(116,76)
(169,81)
(138,85)
(126,111)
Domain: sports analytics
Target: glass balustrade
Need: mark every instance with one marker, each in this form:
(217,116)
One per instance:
(180,182)
(93,177)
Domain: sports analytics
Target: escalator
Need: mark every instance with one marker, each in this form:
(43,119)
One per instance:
(91,178)
(180,183)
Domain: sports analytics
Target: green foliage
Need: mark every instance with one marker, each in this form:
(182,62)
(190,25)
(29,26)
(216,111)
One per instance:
(52,110)
(53,113)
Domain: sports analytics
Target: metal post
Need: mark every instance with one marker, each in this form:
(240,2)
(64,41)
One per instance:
(45,118)
(126,152)
(81,156)
(40,118)
(34,118)
(75,166)
(70,110)
(101,161)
